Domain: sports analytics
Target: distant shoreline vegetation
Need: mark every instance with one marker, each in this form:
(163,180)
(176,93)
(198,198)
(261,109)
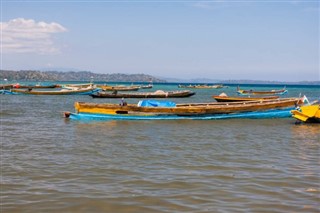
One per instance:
(33,75)
(86,76)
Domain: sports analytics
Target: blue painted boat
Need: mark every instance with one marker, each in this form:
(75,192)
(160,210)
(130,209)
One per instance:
(275,113)
(166,110)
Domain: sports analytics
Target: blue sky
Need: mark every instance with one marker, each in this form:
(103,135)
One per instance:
(256,40)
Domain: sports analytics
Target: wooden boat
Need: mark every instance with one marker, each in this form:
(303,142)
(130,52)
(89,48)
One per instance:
(203,86)
(36,86)
(149,86)
(307,113)
(19,86)
(156,94)
(118,88)
(85,91)
(6,86)
(77,86)
(224,98)
(148,109)
(254,92)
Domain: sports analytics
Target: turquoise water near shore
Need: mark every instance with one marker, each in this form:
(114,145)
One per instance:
(52,164)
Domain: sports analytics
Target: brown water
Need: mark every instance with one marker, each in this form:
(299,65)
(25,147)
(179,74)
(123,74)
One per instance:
(49,164)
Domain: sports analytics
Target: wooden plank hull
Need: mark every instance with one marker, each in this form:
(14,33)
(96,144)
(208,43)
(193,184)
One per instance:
(237,99)
(188,109)
(118,88)
(6,86)
(18,86)
(52,92)
(254,92)
(274,113)
(77,86)
(162,94)
(35,86)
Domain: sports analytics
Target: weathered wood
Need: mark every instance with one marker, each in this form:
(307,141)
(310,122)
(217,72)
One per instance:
(254,92)
(189,108)
(156,94)
(118,88)
(237,99)
(51,92)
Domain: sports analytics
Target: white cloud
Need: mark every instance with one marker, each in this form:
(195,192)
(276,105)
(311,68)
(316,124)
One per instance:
(27,36)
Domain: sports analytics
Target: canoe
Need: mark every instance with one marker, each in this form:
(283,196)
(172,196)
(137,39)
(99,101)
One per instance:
(267,114)
(148,109)
(6,86)
(149,86)
(19,86)
(201,86)
(77,86)
(255,92)
(118,88)
(220,98)
(87,91)
(307,113)
(156,94)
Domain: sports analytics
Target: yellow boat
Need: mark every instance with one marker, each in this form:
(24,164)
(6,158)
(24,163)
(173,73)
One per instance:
(307,113)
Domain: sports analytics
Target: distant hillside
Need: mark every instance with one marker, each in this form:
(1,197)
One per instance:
(32,75)
(216,81)
(270,82)
(195,80)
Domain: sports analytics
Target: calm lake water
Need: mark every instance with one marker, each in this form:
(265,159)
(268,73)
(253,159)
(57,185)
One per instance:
(51,164)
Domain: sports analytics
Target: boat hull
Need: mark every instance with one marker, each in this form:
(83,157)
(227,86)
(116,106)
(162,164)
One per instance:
(237,99)
(307,114)
(254,92)
(118,88)
(170,110)
(201,86)
(170,94)
(277,113)
(53,92)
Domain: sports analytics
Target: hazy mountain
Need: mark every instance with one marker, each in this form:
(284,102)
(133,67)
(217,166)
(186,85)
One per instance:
(33,75)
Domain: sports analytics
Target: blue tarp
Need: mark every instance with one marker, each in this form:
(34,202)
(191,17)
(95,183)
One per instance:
(153,103)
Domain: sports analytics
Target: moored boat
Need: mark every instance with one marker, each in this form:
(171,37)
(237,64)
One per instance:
(156,94)
(84,91)
(148,109)
(36,86)
(258,92)
(77,86)
(22,86)
(149,86)
(118,88)
(224,98)
(201,86)
(307,113)
(6,86)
